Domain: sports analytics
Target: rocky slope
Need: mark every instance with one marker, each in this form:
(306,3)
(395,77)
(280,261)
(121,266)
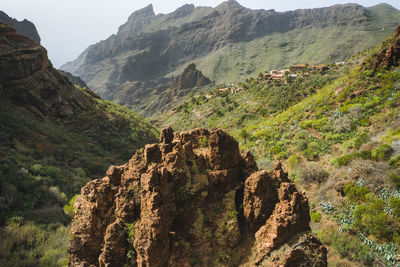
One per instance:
(227,43)
(193,200)
(338,133)
(158,96)
(24,27)
(51,130)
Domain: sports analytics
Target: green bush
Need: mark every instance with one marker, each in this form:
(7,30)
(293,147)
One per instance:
(371,218)
(346,245)
(356,193)
(344,160)
(394,178)
(27,244)
(383,152)
(395,161)
(394,204)
(293,161)
(69,208)
(361,139)
(131,231)
(315,216)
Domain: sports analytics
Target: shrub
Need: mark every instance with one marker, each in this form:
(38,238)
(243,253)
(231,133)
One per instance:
(203,141)
(312,172)
(293,161)
(131,231)
(383,152)
(361,139)
(344,160)
(371,218)
(315,216)
(394,178)
(346,245)
(356,193)
(395,161)
(394,204)
(365,154)
(301,145)
(69,208)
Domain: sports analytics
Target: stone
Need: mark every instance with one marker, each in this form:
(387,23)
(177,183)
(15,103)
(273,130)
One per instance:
(185,200)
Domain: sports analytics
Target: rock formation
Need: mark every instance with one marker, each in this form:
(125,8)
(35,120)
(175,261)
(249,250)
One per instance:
(190,78)
(24,27)
(28,79)
(167,93)
(193,200)
(389,56)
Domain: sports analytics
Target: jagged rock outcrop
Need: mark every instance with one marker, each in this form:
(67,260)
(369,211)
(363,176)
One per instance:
(190,78)
(167,93)
(228,43)
(193,200)
(390,55)
(24,27)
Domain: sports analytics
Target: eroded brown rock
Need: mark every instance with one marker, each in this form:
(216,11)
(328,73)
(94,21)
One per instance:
(390,55)
(193,200)
(29,81)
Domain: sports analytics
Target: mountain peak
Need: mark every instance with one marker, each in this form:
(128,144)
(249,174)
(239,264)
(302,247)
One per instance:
(24,27)
(230,4)
(184,10)
(137,20)
(144,12)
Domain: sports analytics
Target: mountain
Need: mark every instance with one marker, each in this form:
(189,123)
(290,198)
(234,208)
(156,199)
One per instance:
(337,132)
(227,43)
(54,138)
(24,27)
(161,95)
(193,200)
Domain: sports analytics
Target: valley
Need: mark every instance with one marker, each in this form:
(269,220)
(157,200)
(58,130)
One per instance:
(218,136)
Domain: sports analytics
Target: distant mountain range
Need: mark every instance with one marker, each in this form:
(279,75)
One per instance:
(227,43)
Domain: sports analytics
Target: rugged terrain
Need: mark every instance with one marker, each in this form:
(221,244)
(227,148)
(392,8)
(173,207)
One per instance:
(338,133)
(54,138)
(227,43)
(159,96)
(24,27)
(193,200)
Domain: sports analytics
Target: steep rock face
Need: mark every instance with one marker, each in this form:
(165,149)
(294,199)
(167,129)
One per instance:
(390,55)
(24,27)
(193,200)
(190,78)
(28,78)
(166,93)
(150,48)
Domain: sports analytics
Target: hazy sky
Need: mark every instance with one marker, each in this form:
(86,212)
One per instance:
(67,27)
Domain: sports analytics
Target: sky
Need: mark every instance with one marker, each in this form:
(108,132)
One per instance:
(68,27)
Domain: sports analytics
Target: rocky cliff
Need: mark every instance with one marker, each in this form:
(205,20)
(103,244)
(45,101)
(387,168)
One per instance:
(161,95)
(390,53)
(193,200)
(24,27)
(227,43)
(50,130)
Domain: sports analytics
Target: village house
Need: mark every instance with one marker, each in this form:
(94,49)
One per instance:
(297,68)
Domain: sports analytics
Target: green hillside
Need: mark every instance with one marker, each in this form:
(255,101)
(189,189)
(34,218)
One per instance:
(45,163)
(338,134)
(228,43)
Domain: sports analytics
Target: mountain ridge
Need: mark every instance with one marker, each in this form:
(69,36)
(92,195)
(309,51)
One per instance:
(24,27)
(229,41)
